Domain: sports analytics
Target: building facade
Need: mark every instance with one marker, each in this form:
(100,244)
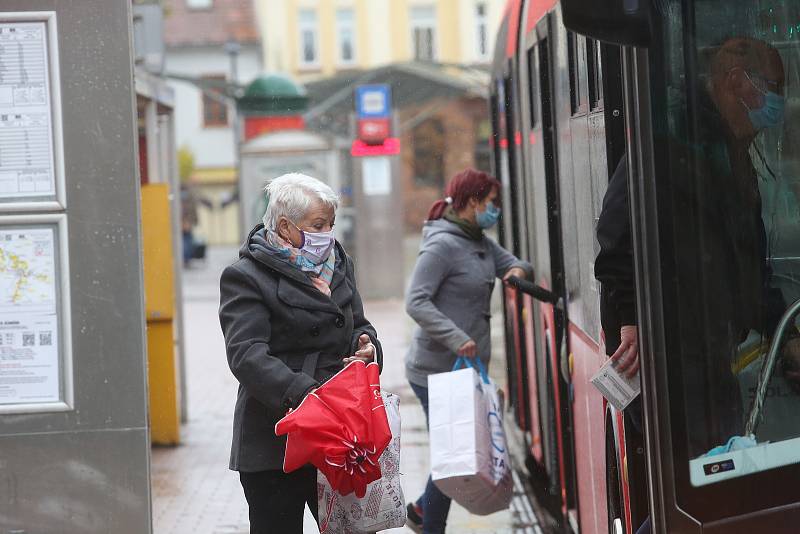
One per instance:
(210,44)
(310,39)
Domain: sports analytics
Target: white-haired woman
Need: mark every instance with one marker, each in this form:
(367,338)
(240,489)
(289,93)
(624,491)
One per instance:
(292,317)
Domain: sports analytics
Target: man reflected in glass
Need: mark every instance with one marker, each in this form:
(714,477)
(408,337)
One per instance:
(742,96)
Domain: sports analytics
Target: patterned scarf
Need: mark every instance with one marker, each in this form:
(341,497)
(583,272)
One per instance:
(320,275)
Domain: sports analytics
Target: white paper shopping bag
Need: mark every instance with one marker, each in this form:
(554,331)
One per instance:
(383,506)
(469,458)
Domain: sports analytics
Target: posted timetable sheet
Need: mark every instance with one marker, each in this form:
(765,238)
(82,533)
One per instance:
(27,164)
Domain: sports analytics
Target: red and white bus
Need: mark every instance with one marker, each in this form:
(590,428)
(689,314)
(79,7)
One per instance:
(577,86)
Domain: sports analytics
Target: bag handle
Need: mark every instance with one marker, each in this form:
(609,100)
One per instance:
(473,363)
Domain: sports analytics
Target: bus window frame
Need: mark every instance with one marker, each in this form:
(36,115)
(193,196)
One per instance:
(684,507)
(578,80)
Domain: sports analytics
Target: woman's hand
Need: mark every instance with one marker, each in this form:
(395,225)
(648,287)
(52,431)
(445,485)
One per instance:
(468,349)
(628,351)
(519,272)
(365,352)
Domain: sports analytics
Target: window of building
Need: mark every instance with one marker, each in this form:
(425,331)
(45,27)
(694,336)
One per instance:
(309,38)
(199,4)
(346,34)
(423,32)
(481,31)
(429,149)
(215,107)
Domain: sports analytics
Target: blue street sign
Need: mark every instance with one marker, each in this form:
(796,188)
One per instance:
(373,101)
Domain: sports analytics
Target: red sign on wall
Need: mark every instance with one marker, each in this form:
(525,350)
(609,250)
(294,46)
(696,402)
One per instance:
(255,126)
(373,131)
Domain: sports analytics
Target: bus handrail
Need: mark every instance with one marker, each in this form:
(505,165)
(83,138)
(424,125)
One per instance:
(537,292)
(767,368)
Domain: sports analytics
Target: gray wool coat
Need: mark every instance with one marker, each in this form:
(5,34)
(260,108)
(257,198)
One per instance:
(283,337)
(449,297)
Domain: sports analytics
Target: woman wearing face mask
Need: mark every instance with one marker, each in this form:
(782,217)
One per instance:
(292,317)
(449,299)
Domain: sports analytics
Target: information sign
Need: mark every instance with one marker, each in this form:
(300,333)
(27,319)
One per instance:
(33,355)
(30,128)
(373,101)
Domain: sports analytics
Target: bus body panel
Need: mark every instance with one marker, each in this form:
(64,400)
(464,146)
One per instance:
(589,420)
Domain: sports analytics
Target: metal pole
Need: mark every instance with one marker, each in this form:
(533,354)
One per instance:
(766,369)
(233,48)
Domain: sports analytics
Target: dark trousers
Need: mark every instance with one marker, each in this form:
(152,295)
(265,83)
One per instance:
(277,499)
(435,504)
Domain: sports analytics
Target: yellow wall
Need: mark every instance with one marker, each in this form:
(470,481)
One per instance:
(382,32)
(162,367)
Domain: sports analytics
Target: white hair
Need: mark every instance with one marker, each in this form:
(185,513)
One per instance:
(291,196)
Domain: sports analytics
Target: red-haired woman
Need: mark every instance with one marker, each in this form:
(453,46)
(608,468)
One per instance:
(449,299)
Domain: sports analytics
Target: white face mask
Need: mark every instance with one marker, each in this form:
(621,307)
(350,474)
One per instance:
(315,246)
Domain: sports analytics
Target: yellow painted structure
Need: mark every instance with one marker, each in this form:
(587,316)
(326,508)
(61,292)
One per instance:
(159,291)
(218,226)
(383,33)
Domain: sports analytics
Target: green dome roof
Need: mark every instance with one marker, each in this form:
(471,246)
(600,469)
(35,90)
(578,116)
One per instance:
(273,94)
(274,85)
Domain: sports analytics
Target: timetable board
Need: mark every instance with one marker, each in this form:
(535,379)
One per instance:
(35,338)
(30,118)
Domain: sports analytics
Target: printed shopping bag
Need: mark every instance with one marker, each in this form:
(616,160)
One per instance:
(469,457)
(383,506)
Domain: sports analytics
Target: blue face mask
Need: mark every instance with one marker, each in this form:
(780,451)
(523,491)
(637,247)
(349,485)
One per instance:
(488,218)
(770,114)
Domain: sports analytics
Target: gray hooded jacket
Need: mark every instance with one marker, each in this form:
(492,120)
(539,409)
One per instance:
(449,297)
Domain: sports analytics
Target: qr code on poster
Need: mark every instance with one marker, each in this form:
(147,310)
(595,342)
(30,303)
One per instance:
(45,338)
(28,339)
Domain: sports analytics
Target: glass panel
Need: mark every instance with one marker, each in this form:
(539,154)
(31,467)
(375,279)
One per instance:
(345,24)
(423,27)
(594,68)
(481,36)
(734,101)
(308,36)
(532,82)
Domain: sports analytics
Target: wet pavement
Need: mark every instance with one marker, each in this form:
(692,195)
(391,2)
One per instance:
(195,493)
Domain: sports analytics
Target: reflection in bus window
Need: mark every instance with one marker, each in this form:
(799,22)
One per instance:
(739,167)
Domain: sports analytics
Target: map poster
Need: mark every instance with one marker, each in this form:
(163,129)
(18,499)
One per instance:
(29,335)
(29,365)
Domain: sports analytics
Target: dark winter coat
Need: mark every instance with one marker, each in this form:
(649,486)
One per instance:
(613,267)
(283,337)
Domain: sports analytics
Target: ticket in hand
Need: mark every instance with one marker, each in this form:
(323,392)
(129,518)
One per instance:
(617,388)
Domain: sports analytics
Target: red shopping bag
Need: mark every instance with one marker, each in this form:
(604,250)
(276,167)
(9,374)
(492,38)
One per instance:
(341,428)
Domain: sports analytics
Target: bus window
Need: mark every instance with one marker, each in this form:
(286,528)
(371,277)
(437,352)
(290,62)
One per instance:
(734,127)
(594,68)
(532,91)
(577,104)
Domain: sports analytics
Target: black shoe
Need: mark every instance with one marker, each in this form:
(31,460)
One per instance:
(413,518)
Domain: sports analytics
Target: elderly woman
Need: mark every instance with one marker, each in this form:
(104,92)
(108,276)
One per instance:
(292,317)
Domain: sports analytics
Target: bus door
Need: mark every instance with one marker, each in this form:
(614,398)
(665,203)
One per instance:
(512,229)
(544,215)
(716,209)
